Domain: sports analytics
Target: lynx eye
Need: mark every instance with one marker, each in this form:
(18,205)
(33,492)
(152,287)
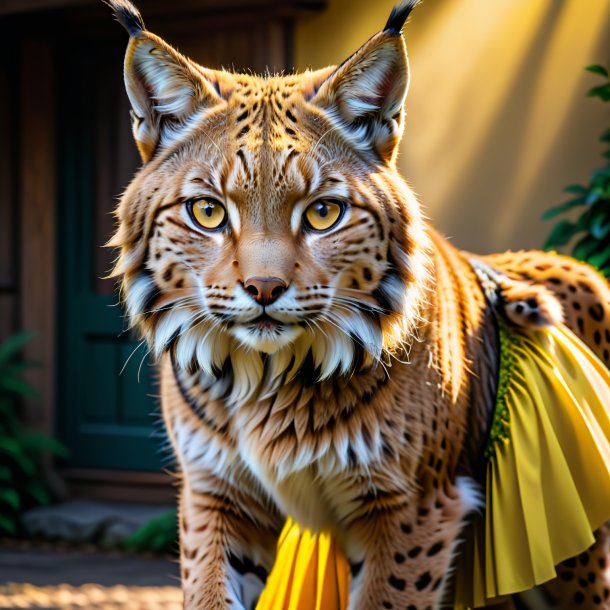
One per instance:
(208,213)
(324,214)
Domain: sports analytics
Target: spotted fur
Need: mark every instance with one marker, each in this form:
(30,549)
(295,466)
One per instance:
(357,400)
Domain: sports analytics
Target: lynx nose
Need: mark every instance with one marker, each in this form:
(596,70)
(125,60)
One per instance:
(265,290)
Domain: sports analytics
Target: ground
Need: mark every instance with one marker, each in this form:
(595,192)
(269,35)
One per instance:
(70,580)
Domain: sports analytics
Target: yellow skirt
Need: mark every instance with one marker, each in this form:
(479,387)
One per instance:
(547,487)
(548,480)
(310,573)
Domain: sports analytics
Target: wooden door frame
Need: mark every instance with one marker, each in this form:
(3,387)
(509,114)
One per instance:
(36,209)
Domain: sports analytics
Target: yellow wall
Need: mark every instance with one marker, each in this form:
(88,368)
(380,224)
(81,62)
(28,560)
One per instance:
(498,122)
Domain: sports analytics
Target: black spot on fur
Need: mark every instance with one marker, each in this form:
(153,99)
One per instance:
(583,558)
(414,552)
(397,583)
(387,605)
(434,549)
(596,312)
(406,528)
(567,576)
(423,581)
(579,598)
(399,558)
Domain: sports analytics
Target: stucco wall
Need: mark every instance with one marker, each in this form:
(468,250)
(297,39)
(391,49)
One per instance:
(498,122)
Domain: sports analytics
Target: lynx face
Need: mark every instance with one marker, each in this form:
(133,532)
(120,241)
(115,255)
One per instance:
(268,229)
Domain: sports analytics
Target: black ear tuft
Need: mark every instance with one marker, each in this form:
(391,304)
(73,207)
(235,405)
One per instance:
(399,15)
(127,15)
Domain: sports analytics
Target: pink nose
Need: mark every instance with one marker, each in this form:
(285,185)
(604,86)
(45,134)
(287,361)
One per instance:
(265,290)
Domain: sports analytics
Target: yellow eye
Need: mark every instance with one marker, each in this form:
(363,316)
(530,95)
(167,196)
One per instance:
(209,213)
(324,214)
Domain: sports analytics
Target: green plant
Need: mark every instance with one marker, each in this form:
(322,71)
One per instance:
(159,535)
(21,482)
(592,227)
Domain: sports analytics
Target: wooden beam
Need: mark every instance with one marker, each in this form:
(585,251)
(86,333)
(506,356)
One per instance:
(121,485)
(37,208)
(285,7)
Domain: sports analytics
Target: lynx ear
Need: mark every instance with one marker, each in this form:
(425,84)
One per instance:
(163,86)
(367,92)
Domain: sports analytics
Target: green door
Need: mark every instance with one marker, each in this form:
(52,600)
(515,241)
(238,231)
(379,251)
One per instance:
(108,415)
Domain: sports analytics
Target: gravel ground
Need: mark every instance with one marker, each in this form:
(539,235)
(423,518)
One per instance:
(90,597)
(69,580)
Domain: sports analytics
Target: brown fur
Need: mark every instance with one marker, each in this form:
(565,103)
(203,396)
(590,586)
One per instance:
(362,402)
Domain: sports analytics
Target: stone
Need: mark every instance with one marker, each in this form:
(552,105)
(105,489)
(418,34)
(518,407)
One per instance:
(79,521)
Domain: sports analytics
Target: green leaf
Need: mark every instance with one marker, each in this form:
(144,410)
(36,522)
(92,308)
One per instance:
(39,492)
(564,207)
(601,91)
(594,195)
(18,386)
(158,534)
(11,497)
(8,525)
(597,69)
(37,441)
(561,234)
(11,346)
(7,406)
(585,248)
(599,258)
(600,226)
(601,175)
(13,449)
(577,189)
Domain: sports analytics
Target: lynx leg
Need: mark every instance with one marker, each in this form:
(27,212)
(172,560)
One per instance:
(225,551)
(408,553)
